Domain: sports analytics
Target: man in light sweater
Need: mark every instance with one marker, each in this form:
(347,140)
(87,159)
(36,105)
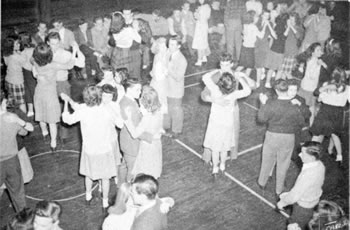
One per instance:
(173,121)
(307,190)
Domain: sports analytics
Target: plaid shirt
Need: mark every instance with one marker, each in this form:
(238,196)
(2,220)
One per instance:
(234,9)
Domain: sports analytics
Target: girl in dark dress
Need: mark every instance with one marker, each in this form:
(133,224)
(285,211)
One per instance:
(334,95)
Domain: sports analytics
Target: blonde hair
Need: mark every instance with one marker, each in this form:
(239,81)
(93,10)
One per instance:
(122,197)
(149,99)
(157,43)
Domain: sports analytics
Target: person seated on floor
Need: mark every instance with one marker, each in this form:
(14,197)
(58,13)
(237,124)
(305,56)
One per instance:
(47,215)
(22,220)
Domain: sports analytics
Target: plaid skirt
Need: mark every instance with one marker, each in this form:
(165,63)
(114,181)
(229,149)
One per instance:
(128,58)
(288,64)
(15,93)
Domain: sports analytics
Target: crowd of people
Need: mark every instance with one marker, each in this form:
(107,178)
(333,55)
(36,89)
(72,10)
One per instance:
(124,116)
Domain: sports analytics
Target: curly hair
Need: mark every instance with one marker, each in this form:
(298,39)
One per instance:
(92,95)
(149,99)
(157,43)
(118,23)
(42,54)
(227,83)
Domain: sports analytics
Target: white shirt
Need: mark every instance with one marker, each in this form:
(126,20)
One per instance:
(334,98)
(312,73)
(97,126)
(250,34)
(125,37)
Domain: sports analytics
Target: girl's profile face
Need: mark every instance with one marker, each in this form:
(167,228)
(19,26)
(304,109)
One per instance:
(117,78)
(317,52)
(256,19)
(292,91)
(16,46)
(106,97)
(135,24)
(107,75)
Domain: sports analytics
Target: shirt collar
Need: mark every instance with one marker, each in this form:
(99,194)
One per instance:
(310,165)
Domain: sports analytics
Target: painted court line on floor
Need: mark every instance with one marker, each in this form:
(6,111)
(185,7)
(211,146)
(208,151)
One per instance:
(236,180)
(197,73)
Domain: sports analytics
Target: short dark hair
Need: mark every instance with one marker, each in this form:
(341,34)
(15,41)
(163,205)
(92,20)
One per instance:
(50,209)
(8,45)
(123,73)
(248,17)
(313,148)
(175,38)
(58,20)
(107,88)
(42,54)
(41,22)
(25,39)
(130,82)
(23,220)
(227,83)
(81,21)
(92,95)
(293,82)
(226,57)
(53,35)
(280,85)
(146,185)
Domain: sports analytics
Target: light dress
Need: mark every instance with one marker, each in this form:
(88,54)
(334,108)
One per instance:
(100,148)
(200,37)
(46,103)
(220,133)
(159,78)
(149,158)
(120,221)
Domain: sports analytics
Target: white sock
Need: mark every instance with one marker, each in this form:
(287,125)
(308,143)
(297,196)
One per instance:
(88,196)
(105,203)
